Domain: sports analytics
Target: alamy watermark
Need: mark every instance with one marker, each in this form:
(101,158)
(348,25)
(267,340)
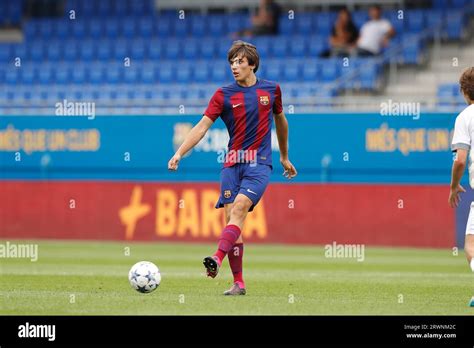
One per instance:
(24,251)
(237,156)
(394,108)
(345,251)
(69,108)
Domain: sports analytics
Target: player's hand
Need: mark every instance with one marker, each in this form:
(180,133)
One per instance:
(454,197)
(173,162)
(290,170)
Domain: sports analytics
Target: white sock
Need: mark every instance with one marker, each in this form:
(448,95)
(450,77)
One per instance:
(472,264)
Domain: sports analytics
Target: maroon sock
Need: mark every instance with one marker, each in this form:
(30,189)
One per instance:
(235,261)
(228,237)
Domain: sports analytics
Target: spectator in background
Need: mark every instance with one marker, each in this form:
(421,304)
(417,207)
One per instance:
(375,34)
(343,35)
(265,21)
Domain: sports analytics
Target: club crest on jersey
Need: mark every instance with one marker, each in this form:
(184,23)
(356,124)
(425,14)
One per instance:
(264,100)
(227,194)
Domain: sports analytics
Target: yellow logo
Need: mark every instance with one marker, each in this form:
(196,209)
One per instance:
(227,194)
(130,214)
(264,100)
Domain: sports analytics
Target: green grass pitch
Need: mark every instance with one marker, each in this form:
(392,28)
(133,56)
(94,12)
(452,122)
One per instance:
(90,278)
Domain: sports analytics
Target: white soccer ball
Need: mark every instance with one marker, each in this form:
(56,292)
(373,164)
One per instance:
(144,276)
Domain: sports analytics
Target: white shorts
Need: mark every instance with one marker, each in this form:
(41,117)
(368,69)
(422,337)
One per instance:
(470,221)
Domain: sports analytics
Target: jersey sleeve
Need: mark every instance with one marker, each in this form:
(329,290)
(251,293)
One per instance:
(216,105)
(461,137)
(277,104)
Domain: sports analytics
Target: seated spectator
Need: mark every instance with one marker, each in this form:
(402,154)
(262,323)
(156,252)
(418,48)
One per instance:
(265,21)
(343,35)
(375,34)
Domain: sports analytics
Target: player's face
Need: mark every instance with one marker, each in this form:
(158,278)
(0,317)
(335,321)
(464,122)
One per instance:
(241,68)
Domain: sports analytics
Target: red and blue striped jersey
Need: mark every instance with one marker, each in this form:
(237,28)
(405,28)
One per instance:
(248,115)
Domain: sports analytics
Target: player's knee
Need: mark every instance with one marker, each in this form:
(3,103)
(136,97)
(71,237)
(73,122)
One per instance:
(239,209)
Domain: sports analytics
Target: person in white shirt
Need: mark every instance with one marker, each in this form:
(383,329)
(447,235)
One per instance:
(375,34)
(463,142)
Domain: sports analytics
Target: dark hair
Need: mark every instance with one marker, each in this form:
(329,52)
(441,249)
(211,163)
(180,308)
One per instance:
(244,49)
(466,83)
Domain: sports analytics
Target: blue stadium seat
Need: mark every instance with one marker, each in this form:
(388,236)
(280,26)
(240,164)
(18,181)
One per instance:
(220,72)
(145,27)
(87,50)
(62,74)
(79,74)
(112,28)
(70,50)
(96,74)
(273,70)
(184,72)
(148,74)
(53,51)
(286,26)
(236,22)
(279,47)
(368,76)
(434,18)
(121,8)
(201,72)
(30,29)
(208,48)
(324,24)
(191,49)
(181,27)
(163,27)
(329,69)
(62,28)
(87,7)
(141,7)
(36,51)
(154,49)
(166,73)
(21,51)
(398,20)
(104,50)
(129,28)
(12,76)
(45,74)
(138,49)
(103,8)
(415,20)
(316,45)
(130,75)
(291,70)
(27,75)
(121,50)
(217,25)
(172,49)
(455,22)
(95,28)
(113,73)
(46,28)
(298,46)
(310,70)
(5,52)
(198,25)
(78,28)
(304,24)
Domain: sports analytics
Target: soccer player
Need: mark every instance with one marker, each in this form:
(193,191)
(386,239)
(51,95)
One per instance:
(247,108)
(463,141)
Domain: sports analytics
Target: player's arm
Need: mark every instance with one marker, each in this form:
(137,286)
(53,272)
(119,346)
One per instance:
(193,137)
(459,165)
(281,124)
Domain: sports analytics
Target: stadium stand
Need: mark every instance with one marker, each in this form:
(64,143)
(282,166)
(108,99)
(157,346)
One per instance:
(173,59)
